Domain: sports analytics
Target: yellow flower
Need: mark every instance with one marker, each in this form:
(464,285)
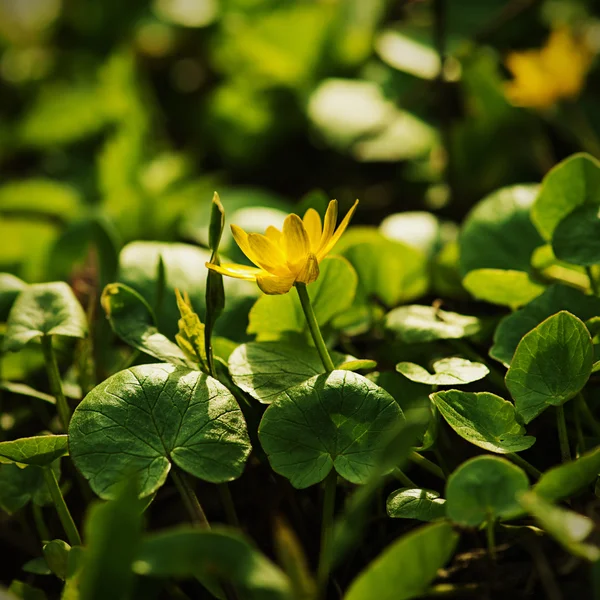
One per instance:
(290,256)
(544,76)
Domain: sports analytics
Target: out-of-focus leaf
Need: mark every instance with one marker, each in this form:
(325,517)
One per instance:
(10,288)
(576,238)
(506,287)
(446,371)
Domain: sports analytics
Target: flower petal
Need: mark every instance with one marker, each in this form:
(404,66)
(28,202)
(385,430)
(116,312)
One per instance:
(312,224)
(295,240)
(268,255)
(271,284)
(235,270)
(338,234)
(273,234)
(241,239)
(328,224)
(310,271)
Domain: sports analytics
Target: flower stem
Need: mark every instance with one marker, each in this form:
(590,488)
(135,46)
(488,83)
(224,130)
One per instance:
(426,464)
(527,466)
(404,479)
(228,504)
(314,327)
(190,500)
(64,411)
(563,437)
(326,532)
(61,507)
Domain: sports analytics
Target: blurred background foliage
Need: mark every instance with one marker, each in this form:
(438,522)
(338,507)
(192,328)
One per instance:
(119,119)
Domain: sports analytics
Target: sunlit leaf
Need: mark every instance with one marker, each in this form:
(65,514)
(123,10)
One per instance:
(446,371)
(423,505)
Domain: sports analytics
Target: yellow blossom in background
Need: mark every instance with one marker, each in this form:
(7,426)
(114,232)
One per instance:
(290,256)
(554,72)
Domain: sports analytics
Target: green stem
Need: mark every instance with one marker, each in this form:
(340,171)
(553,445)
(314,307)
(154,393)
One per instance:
(314,327)
(490,535)
(228,504)
(426,464)
(527,466)
(61,507)
(563,436)
(593,282)
(326,533)
(587,415)
(40,524)
(190,500)
(64,411)
(404,479)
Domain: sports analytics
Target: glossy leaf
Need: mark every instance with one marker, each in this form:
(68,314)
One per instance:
(502,286)
(39,450)
(132,319)
(414,324)
(219,553)
(336,420)
(483,419)
(484,488)
(421,553)
(446,371)
(552,363)
(576,238)
(266,369)
(423,505)
(143,419)
(44,309)
(572,183)
(557,297)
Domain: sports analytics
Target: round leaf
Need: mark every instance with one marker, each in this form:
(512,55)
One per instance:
(44,309)
(483,419)
(40,450)
(557,297)
(266,369)
(502,286)
(424,505)
(576,238)
(484,488)
(552,363)
(143,419)
(414,324)
(334,420)
(447,371)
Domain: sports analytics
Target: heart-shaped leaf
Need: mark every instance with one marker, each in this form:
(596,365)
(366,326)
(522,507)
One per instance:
(44,309)
(40,450)
(552,363)
(266,369)
(132,319)
(335,420)
(414,324)
(484,488)
(423,505)
(576,238)
(143,419)
(421,553)
(572,183)
(483,419)
(502,286)
(446,371)
(557,297)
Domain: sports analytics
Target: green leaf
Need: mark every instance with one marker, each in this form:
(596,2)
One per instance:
(266,369)
(36,566)
(447,371)
(568,528)
(557,297)
(418,229)
(56,554)
(10,288)
(190,337)
(132,319)
(20,485)
(331,294)
(502,286)
(576,238)
(143,419)
(336,420)
(24,591)
(44,309)
(498,233)
(415,324)
(219,553)
(423,505)
(552,363)
(421,553)
(359,364)
(572,183)
(113,533)
(484,488)
(483,419)
(563,481)
(40,450)
(388,270)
